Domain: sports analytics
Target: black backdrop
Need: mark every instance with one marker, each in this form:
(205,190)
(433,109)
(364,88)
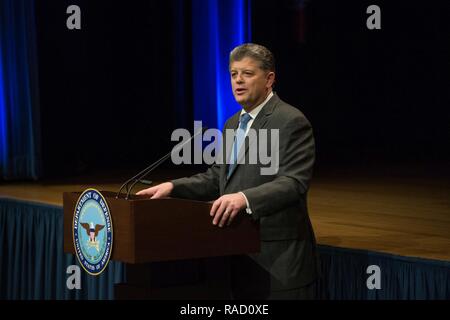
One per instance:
(372,96)
(112,83)
(378,95)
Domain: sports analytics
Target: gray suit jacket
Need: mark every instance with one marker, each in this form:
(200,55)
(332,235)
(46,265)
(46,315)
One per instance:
(288,251)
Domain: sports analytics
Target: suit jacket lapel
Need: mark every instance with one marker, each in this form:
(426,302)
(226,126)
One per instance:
(227,145)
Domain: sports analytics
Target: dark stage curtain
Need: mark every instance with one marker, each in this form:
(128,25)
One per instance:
(32,262)
(217,27)
(19,116)
(344,276)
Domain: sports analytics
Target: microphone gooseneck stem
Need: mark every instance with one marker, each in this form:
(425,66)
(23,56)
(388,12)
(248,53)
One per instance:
(156,164)
(136,178)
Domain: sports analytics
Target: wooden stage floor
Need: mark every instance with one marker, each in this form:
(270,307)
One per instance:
(402,210)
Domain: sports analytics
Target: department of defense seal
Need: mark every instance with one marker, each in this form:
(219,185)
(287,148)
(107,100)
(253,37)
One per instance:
(92,231)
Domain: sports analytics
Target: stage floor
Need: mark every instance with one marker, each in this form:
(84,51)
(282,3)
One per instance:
(402,210)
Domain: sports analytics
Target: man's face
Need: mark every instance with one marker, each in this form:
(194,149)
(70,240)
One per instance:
(250,83)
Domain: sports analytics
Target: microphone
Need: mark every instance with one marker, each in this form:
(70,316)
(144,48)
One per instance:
(142,174)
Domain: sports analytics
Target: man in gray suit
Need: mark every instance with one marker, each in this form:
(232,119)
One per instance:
(286,267)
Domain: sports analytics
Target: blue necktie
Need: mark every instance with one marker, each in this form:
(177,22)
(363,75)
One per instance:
(238,141)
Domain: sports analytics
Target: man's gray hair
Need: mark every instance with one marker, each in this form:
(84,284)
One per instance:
(256,52)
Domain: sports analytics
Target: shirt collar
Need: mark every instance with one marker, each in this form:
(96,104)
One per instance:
(256,110)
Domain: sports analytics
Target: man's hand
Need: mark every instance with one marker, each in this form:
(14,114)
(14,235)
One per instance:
(160,191)
(226,208)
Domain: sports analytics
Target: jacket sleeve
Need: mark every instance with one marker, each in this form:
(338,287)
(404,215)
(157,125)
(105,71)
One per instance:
(202,186)
(296,159)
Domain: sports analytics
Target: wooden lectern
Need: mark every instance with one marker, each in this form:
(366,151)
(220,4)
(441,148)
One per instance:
(171,248)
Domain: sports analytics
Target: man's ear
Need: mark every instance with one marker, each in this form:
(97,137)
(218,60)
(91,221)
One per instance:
(270,79)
